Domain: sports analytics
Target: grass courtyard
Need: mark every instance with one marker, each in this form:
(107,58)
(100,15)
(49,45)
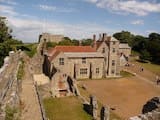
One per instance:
(67,108)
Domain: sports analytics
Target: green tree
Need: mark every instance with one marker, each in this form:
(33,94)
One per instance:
(145,55)
(124,37)
(86,42)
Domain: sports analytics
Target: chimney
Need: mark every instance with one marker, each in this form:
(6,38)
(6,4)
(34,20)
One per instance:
(100,37)
(94,42)
(80,42)
(104,37)
(94,37)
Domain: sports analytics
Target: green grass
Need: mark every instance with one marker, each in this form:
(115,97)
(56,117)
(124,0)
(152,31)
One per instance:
(86,94)
(68,108)
(21,72)
(151,67)
(11,113)
(32,49)
(126,74)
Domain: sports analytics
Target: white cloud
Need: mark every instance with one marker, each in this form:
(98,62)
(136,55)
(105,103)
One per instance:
(28,30)
(137,22)
(47,8)
(7,10)
(56,9)
(140,8)
(152,31)
(92,1)
(11,2)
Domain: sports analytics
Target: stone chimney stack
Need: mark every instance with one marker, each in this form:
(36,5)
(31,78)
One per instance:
(94,37)
(94,42)
(100,37)
(80,42)
(104,38)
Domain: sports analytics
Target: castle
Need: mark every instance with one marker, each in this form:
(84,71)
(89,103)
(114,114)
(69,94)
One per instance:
(101,59)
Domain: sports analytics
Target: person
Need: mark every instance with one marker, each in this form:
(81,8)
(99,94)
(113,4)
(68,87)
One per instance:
(158,80)
(142,69)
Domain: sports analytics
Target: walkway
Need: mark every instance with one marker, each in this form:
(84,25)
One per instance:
(29,97)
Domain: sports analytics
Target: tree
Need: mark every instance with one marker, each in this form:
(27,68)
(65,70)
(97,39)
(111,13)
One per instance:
(124,37)
(154,47)
(139,42)
(86,42)
(6,42)
(145,55)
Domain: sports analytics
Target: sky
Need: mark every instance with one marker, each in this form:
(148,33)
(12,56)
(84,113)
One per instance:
(80,18)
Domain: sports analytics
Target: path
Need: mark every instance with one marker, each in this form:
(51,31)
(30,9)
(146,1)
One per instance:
(144,75)
(31,109)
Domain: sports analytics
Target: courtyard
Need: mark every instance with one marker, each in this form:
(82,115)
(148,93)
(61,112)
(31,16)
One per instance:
(126,95)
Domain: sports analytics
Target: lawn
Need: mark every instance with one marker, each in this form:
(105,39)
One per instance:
(126,74)
(151,67)
(68,108)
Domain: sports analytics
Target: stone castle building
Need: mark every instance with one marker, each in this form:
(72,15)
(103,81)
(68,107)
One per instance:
(50,37)
(101,59)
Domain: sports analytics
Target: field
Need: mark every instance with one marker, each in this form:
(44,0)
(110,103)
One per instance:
(68,108)
(126,95)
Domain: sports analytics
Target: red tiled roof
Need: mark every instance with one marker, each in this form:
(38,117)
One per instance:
(53,52)
(75,49)
(53,55)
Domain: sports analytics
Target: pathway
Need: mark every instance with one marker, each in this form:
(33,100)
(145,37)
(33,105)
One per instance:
(29,97)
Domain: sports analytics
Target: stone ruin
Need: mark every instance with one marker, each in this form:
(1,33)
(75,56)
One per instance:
(105,113)
(92,109)
(150,111)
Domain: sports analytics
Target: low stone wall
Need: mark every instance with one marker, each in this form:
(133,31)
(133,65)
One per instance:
(9,89)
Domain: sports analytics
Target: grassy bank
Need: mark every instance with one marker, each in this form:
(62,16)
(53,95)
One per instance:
(68,108)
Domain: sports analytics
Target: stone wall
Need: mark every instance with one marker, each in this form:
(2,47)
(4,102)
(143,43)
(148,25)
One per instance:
(50,37)
(72,67)
(10,85)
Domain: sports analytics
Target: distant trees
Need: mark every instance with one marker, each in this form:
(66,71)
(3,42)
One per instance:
(148,47)
(68,41)
(7,43)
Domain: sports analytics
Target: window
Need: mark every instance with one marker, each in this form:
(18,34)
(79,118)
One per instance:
(113,50)
(83,60)
(83,71)
(103,50)
(113,62)
(97,70)
(61,61)
(112,71)
(114,42)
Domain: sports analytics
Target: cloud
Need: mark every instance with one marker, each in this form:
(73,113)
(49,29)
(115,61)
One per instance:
(47,8)
(152,31)
(56,9)
(9,10)
(28,30)
(11,2)
(140,8)
(137,22)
